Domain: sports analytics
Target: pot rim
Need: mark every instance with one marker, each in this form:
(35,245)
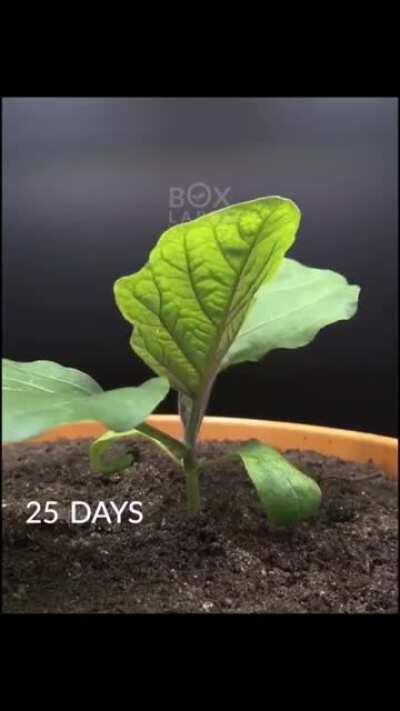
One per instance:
(345,444)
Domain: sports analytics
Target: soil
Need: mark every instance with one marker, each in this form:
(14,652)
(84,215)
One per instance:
(228,559)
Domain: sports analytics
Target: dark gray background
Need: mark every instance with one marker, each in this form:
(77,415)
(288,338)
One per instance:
(86,194)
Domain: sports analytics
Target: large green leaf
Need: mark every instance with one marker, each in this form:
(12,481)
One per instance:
(41,395)
(286,494)
(289,312)
(188,302)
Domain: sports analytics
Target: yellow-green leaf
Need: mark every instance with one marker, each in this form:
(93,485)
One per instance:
(188,302)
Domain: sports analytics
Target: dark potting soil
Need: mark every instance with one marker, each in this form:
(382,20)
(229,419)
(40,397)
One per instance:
(227,559)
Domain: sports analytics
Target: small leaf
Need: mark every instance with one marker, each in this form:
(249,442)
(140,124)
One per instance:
(286,494)
(41,395)
(289,312)
(102,446)
(188,302)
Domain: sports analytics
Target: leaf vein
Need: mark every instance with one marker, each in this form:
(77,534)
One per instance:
(165,325)
(192,283)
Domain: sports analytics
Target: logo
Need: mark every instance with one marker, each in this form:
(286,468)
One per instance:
(197,199)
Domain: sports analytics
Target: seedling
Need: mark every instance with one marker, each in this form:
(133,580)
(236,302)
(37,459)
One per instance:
(215,291)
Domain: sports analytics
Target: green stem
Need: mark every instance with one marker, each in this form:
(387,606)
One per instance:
(191,421)
(192,483)
(192,428)
(192,411)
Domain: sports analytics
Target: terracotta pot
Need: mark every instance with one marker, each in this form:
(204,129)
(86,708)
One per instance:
(346,444)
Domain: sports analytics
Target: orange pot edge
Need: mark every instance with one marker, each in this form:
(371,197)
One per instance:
(345,444)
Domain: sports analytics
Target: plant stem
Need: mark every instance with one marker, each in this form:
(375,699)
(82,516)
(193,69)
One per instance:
(192,483)
(192,414)
(192,424)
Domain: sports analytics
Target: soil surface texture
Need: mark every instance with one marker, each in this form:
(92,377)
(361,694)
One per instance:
(228,559)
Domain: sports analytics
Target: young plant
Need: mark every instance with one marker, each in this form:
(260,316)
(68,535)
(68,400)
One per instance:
(215,291)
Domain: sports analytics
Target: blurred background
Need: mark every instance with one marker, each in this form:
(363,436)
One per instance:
(89,184)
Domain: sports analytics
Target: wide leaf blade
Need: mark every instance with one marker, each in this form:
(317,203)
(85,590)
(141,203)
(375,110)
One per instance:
(286,494)
(289,312)
(188,302)
(41,395)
